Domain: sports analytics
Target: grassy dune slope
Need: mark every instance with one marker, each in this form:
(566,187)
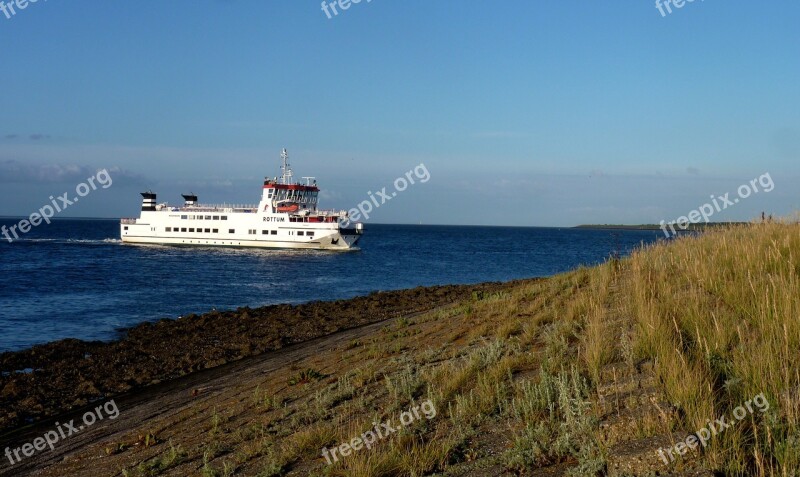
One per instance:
(585,373)
(720,315)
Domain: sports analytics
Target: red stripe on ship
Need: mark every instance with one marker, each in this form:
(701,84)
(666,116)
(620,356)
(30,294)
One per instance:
(292,187)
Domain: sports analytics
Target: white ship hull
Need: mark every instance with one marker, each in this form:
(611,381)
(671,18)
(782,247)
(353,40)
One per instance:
(233,244)
(270,231)
(219,242)
(286,218)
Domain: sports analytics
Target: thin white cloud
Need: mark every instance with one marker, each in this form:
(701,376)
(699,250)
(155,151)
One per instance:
(12,171)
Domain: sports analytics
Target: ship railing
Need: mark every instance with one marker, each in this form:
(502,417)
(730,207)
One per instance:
(128,221)
(328,213)
(229,206)
(219,208)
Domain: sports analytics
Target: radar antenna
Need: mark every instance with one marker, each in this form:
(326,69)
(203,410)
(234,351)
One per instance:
(286,168)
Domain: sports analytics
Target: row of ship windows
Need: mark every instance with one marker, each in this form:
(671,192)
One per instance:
(184,229)
(225,217)
(299,196)
(232,231)
(204,217)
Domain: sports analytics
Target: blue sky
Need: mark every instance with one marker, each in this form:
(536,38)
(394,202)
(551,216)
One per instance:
(525,113)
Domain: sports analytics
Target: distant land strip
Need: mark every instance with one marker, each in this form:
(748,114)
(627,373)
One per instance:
(692,227)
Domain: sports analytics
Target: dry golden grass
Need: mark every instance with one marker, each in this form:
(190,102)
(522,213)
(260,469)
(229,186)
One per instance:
(715,316)
(719,315)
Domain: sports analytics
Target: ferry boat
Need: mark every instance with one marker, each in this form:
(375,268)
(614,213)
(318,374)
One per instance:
(286,217)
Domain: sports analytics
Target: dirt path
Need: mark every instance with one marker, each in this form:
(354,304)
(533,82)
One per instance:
(167,401)
(633,404)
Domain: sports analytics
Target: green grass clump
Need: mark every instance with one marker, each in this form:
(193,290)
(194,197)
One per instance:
(306,376)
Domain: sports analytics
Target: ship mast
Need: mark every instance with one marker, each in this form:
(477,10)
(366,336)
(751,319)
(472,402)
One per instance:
(286,168)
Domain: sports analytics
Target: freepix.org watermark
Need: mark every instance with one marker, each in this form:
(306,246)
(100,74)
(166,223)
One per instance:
(343,5)
(665,6)
(711,429)
(402,183)
(380,431)
(63,431)
(720,203)
(47,212)
(10,9)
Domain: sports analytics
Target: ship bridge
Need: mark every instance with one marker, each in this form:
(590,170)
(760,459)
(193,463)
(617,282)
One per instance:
(284,195)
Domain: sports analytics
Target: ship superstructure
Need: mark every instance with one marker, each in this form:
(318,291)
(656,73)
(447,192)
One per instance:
(286,217)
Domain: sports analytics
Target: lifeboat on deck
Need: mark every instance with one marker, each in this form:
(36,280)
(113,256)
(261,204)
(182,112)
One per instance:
(288,207)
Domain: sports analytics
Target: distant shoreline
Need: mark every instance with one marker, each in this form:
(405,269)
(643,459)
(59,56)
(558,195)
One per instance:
(699,226)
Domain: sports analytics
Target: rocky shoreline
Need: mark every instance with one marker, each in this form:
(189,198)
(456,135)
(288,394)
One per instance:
(68,374)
